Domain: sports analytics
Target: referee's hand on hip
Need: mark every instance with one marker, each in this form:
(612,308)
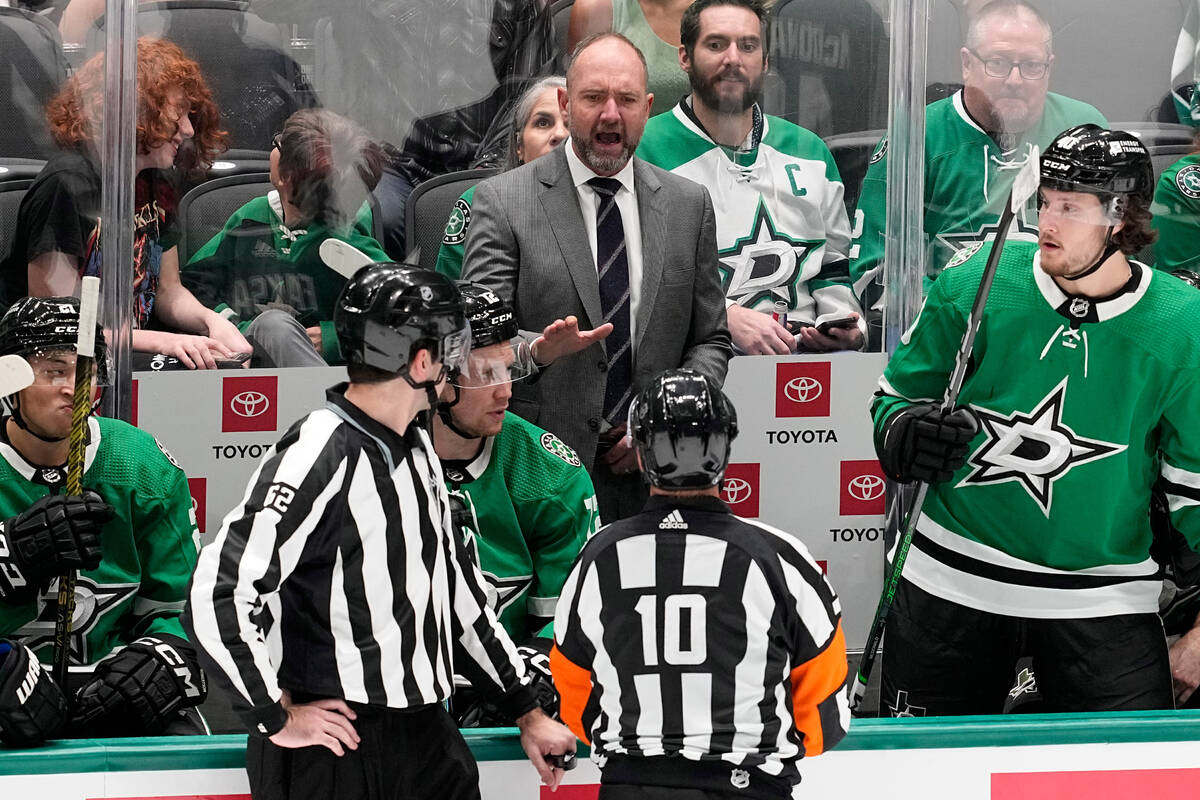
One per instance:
(325,722)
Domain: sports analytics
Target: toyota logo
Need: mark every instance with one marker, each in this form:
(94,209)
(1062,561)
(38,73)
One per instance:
(249,404)
(736,490)
(803,389)
(866,487)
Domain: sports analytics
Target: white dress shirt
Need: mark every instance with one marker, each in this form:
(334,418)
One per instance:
(627,204)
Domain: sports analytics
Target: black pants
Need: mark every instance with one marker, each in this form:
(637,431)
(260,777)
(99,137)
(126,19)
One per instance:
(627,791)
(403,755)
(941,658)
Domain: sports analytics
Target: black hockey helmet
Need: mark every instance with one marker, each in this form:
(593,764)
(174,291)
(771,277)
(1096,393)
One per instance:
(387,311)
(491,318)
(1187,276)
(682,426)
(44,324)
(1088,158)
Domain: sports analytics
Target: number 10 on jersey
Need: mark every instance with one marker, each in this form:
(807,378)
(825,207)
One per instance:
(682,642)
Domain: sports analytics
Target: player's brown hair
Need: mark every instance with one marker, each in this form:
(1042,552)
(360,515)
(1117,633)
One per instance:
(75,112)
(1137,232)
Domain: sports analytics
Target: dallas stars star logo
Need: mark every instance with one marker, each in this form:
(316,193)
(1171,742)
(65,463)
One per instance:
(93,602)
(1033,449)
(765,264)
(1021,230)
(503,591)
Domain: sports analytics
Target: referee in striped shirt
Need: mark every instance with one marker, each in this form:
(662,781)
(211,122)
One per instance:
(695,650)
(335,600)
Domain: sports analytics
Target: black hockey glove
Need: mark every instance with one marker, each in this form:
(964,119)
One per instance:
(140,690)
(32,706)
(536,655)
(921,443)
(471,709)
(56,534)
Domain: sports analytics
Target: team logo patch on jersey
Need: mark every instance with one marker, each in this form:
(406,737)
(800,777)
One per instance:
(880,151)
(963,255)
(456,226)
(1188,180)
(556,447)
(167,453)
(765,264)
(1079,307)
(93,602)
(1034,449)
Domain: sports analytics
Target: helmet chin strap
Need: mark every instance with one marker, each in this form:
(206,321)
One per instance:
(443,410)
(14,403)
(1106,252)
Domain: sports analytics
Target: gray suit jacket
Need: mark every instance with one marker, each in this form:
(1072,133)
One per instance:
(528,243)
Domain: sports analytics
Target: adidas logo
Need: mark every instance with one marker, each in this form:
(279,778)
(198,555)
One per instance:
(673,522)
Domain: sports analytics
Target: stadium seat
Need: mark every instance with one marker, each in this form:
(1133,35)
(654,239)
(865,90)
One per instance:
(256,83)
(560,18)
(851,151)
(204,210)
(32,68)
(428,209)
(11,193)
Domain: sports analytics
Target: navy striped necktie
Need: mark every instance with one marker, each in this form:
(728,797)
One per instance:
(612,266)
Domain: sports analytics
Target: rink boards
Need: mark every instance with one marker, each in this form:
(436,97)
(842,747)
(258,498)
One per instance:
(1145,755)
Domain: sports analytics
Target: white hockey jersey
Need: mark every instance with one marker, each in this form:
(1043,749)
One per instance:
(782,228)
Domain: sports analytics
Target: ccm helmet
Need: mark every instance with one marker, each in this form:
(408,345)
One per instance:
(387,311)
(682,427)
(34,325)
(1088,158)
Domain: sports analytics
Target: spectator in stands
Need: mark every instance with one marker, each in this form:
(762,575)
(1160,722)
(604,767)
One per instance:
(438,86)
(602,238)
(1176,210)
(538,127)
(782,230)
(57,240)
(975,142)
(653,26)
(264,270)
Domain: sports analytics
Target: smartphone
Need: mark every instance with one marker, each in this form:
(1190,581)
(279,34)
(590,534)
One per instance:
(845,323)
(234,361)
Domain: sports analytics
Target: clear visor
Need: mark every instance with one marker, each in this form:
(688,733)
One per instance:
(456,348)
(1087,209)
(496,364)
(57,368)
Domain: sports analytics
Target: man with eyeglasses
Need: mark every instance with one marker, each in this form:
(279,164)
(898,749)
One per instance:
(522,497)
(975,143)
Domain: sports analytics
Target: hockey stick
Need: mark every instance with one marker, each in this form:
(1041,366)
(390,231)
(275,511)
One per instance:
(15,374)
(1024,185)
(89,297)
(343,258)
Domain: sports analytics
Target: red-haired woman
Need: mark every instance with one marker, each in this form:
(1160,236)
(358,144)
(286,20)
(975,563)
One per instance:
(57,240)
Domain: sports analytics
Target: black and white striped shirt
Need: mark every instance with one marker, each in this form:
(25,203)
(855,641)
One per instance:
(685,630)
(337,577)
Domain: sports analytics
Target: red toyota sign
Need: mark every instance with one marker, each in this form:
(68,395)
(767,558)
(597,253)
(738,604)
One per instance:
(802,389)
(249,404)
(862,488)
(199,491)
(740,489)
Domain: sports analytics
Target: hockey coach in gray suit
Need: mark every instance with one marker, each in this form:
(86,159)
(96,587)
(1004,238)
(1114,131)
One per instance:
(589,232)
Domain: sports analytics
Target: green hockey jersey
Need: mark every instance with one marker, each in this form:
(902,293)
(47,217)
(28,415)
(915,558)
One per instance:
(534,507)
(1084,404)
(454,240)
(782,229)
(1176,210)
(149,547)
(256,262)
(967,180)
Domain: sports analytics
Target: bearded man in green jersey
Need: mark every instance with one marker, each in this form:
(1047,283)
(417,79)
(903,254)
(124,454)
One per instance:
(522,495)
(1083,393)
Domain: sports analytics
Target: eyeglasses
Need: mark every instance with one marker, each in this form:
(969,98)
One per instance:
(277,142)
(1000,67)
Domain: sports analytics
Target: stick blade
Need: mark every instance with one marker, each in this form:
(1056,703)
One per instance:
(343,258)
(15,374)
(1027,180)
